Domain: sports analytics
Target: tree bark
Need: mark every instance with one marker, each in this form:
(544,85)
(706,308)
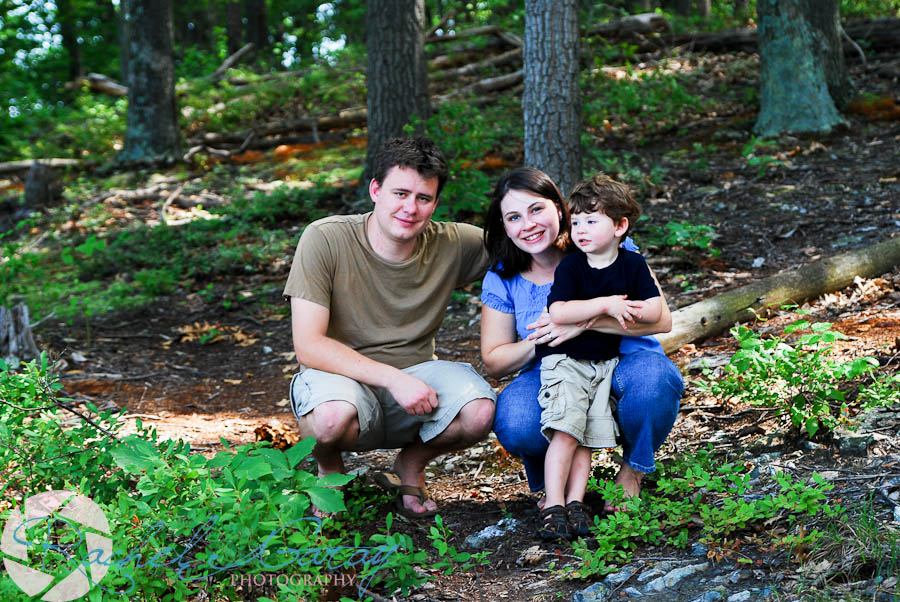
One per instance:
(257,23)
(794,95)
(69,37)
(825,22)
(396,72)
(683,7)
(551,101)
(152,129)
(703,8)
(234,27)
(715,315)
(16,340)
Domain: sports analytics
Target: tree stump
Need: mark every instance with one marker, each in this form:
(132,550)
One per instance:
(39,189)
(16,340)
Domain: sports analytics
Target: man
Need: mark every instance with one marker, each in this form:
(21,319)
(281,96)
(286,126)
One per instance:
(368,294)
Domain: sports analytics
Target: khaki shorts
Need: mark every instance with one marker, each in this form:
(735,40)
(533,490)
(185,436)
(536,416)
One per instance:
(575,397)
(383,423)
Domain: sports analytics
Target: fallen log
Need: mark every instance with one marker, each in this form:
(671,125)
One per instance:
(473,68)
(96,82)
(509,38)
(879,34)
(501,82)
(715,315)
(15,166)
(344,119)
(229,62)
(644,24)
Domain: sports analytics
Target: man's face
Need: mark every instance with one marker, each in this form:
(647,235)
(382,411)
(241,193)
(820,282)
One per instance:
(404,204)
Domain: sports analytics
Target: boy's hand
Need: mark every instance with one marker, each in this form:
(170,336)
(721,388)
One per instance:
(413,395)
(620,308)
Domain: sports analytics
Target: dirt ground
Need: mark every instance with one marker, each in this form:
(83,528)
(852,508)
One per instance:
(831,195)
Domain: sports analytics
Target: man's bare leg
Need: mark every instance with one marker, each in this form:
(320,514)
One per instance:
(471,425)
(335,427)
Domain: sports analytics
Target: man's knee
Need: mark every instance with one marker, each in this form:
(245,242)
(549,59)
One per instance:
(333,422)
(477,418)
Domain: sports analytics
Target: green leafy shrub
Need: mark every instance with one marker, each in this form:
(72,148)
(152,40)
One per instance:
(797,376)
(696,485)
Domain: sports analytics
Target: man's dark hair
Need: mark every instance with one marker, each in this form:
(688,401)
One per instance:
(421,154)
(506,258)
(604,195)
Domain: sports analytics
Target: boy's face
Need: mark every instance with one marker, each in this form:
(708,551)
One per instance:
(595,232)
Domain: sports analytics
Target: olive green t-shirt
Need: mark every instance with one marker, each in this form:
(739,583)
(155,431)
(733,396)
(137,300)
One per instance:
(387,311)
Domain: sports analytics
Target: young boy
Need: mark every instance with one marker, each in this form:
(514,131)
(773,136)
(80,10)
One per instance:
(598,279)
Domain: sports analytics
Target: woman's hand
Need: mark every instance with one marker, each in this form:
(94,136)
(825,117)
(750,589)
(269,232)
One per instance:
(547,331)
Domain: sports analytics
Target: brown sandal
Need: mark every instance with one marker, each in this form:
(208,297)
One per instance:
(553,523)
(579,514)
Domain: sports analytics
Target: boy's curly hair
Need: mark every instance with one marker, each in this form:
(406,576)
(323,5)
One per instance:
(605,195)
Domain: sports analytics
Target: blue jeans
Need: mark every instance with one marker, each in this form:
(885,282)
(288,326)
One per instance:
(648,388)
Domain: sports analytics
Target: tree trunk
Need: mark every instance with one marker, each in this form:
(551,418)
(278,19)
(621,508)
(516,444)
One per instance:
(703,8)
(69,37)
(794,94)
(396,72)
(714,315)
(123,41)
(234,27)
(825,22)
(740,7)
(16,340)
(152,129)
(551,101)
(683,7)
(257,24)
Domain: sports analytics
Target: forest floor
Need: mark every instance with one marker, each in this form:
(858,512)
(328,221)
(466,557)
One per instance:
(827,196)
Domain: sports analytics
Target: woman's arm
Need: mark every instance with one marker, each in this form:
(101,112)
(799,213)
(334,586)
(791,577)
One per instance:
(501,350)
(663,324)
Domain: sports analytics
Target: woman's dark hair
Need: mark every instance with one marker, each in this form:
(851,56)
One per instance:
(506,258)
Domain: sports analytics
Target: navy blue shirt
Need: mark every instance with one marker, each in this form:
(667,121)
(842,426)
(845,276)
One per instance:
(575,279)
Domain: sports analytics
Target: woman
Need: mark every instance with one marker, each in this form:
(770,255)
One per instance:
(527,235)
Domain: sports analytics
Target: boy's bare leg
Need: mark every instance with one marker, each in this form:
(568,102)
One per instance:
(471,425)
(557,464)
(579,473)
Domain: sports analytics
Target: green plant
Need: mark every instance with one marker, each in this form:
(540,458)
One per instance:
(753,151)
(695,490)
(796,375)
(679,236)
(451,560)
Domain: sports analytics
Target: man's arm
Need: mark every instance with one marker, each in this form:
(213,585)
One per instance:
(309,323)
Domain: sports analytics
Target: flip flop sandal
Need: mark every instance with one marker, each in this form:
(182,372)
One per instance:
(391,482)
(578,514)
(554,524)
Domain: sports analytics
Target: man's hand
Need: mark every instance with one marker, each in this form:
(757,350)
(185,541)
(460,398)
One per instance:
(413,394)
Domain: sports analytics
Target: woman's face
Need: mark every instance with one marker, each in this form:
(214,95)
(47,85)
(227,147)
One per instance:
(530,221)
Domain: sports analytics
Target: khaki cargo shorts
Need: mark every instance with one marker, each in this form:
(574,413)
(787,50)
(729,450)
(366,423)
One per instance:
(576,399)
(383,423)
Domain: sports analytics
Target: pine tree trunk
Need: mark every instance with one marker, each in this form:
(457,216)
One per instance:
(123,42)
(794,95)
(396,71)
(825,22)
(551,101)
(152,129)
